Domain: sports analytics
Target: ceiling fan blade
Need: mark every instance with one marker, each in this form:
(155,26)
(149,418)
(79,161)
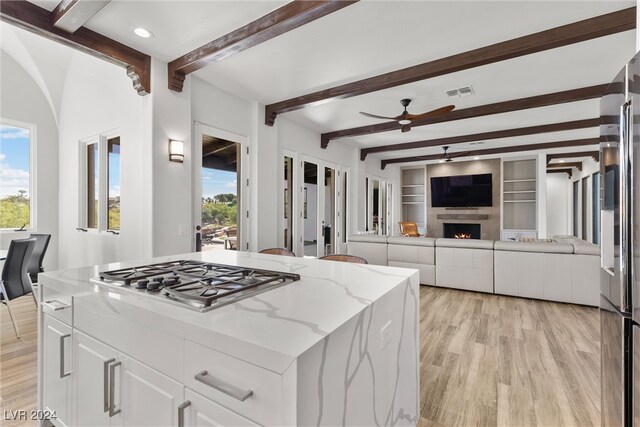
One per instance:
(373,116)
(459,154)
(405,128)
(436,112)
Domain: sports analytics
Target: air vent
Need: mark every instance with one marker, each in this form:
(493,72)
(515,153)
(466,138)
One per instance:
(460,92)
(476,143)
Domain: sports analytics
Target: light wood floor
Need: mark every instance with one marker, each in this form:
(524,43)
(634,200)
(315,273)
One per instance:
(18,364)
(491,360)
(487,360)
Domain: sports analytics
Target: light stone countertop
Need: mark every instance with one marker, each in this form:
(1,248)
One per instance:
(270,329)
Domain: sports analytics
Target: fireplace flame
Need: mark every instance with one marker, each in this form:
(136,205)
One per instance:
(462,235)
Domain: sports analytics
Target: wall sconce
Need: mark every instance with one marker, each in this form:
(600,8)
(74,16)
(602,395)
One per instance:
(176,151)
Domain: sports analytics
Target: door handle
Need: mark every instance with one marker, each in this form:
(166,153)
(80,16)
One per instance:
(226,388)
(62,372)
(105,384)
(112,389)
(181,409)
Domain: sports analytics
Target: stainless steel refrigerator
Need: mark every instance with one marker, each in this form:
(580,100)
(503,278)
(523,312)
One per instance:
(620,248)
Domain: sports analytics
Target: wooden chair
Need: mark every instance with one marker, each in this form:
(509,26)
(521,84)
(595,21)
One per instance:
(278,251)
(409,229)
(345,258)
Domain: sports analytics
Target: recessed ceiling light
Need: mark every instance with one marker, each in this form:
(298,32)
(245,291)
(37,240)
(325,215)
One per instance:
(143,32)
(441,161)
(560,161)
(476,158)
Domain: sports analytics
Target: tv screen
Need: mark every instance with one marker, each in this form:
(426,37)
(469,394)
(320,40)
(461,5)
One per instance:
(461,191)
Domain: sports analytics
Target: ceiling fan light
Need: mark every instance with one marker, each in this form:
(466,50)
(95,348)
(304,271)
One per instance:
(404,122)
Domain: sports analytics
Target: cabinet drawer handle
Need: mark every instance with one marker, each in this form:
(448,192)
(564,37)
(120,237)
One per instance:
(55,305)
(62,373)
(181,409)
(112,389)
(105,384)
(226,388)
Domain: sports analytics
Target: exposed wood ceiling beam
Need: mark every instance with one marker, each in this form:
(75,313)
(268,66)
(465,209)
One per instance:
(530,130)
(577,165)
(545,100)
(567,171)
(499,150)
(599,26)
(33,18)
(69,15)
(576,154)
(280,21)
(217,150)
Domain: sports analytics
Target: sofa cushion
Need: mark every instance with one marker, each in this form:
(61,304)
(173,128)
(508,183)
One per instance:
(558,248)
(465,243)
(412,241)
(586,248)
(367,238)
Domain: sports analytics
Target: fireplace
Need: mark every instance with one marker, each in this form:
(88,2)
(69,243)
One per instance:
(462,231)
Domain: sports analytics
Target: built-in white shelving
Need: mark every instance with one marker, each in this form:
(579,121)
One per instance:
(414,196)
(519,197)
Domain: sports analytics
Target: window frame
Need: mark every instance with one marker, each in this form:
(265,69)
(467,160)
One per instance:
(103,181)
(33,205)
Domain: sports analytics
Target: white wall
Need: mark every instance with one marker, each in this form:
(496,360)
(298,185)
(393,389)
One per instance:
(23,100)
(98,97)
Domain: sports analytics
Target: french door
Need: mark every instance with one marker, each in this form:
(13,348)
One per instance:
(220,189)
(314,207)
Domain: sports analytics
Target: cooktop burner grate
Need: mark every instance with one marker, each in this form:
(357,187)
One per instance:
(197,284)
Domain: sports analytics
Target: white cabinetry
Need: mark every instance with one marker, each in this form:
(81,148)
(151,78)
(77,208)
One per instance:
(91,381)
(148,398)
(112,389)
(56,369)
(203,412)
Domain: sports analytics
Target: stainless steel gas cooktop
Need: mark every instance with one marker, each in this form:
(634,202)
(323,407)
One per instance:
(198,285)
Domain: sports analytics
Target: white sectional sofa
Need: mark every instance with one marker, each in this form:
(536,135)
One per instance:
(566,270)
(413,252)
(371,248)
(465,264)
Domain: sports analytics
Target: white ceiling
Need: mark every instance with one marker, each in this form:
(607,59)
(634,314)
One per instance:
(373,37)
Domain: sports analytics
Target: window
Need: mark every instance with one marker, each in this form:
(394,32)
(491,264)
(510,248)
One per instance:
(100,198)
(16,176)
(595,207)
(113,170)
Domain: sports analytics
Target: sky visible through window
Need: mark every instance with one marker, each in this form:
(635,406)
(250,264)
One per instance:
(216,182)
(14,160)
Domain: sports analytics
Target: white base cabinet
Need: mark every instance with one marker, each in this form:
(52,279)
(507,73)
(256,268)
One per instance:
(56,369)
(201,412)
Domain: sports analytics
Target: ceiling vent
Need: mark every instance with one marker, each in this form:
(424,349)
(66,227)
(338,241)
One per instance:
(476,143)
(460,92)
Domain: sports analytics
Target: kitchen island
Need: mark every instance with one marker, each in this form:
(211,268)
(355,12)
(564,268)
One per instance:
(340,346)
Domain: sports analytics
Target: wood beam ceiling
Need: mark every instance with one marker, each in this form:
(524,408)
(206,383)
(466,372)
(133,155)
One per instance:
(576,154)
(69,15)
(577,165)
(507,133)
(545,100)
(599,26)
(33,18)
(500,150)
(567,171)
(280,21)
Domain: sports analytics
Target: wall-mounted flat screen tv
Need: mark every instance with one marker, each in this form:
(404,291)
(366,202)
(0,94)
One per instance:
(461,191)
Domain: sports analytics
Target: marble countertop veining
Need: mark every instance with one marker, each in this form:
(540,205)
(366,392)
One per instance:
(270,329)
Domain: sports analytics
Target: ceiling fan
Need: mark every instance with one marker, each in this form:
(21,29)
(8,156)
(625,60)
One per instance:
(405,119)
(446,157)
